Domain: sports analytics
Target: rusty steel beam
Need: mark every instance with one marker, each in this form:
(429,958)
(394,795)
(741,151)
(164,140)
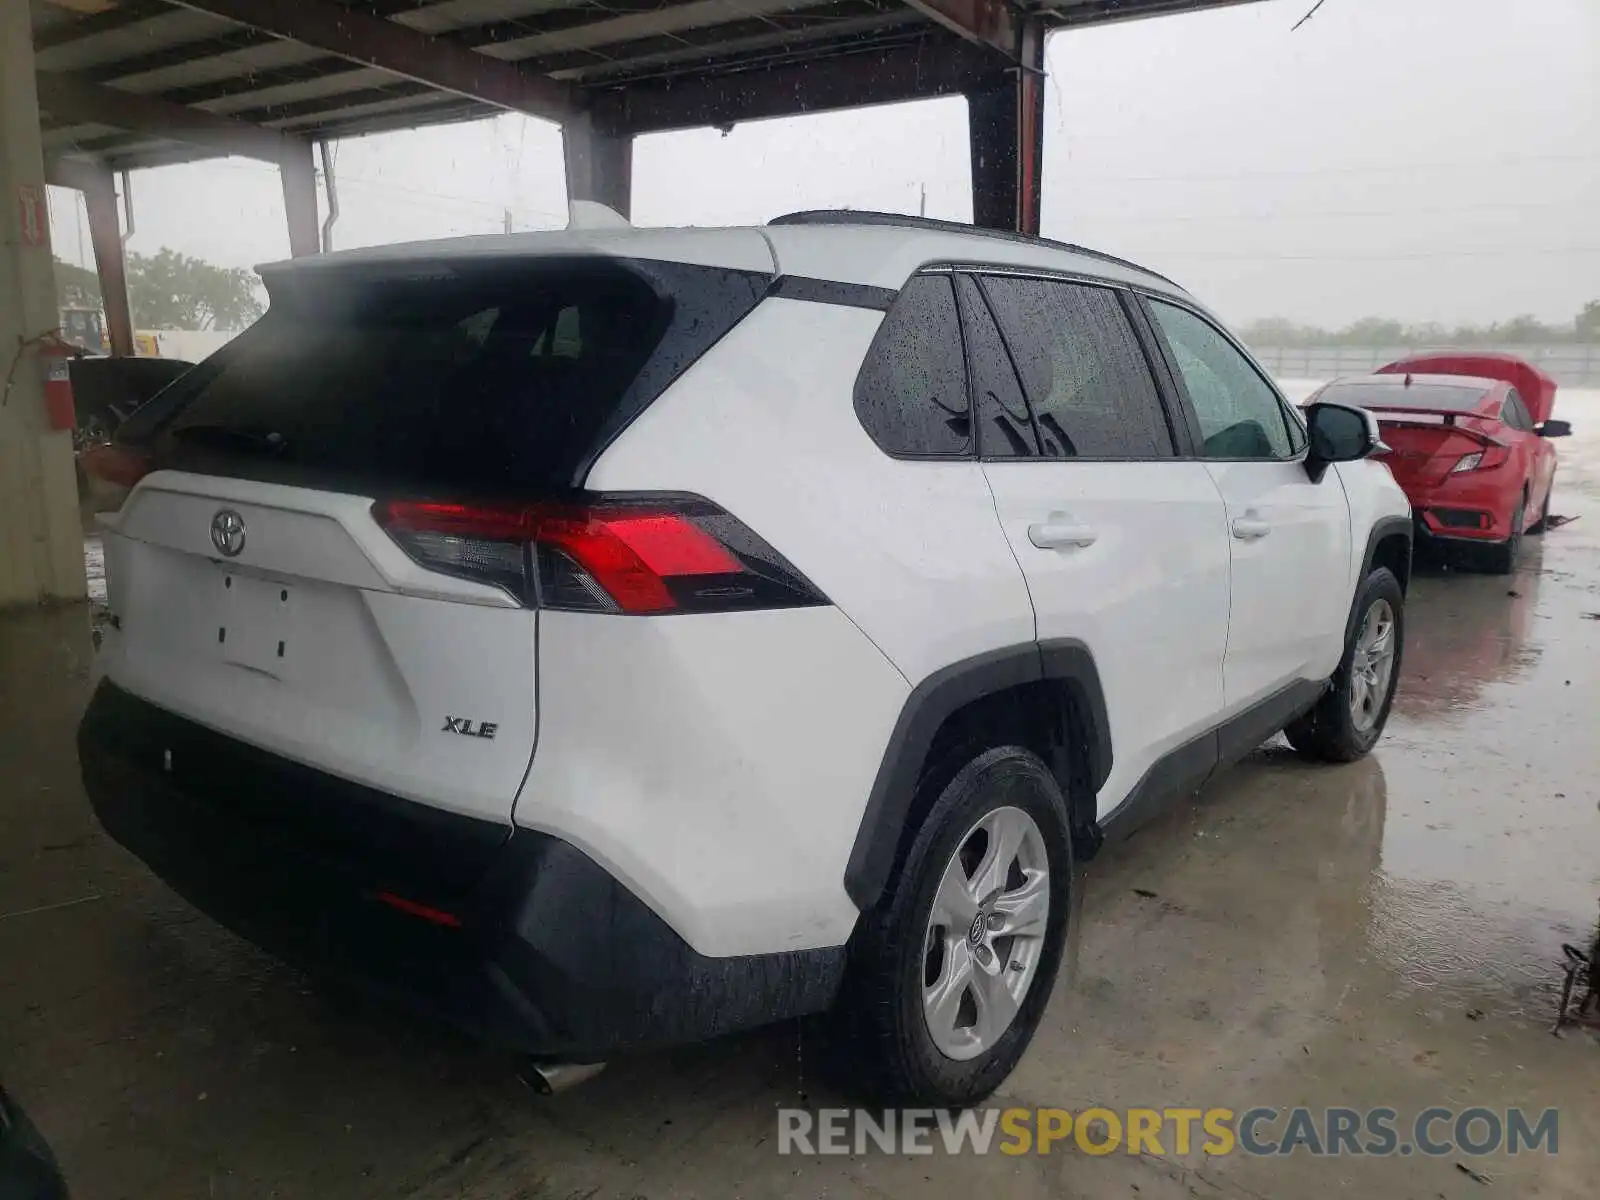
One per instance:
(99,190)
(1005,131)
(131,13)
(1104,12)
(377,42)
(936,65)
(599,164)
(683,52)
(297,174)
(992,23)
(73,101)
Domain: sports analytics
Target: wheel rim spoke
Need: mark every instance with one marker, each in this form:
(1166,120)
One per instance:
(996,1005)
(1005,839)
(954,904)
(942,1002)
(1380,640)
(1025,911)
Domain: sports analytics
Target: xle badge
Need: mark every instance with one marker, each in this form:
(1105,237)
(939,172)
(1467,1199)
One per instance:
(463,726)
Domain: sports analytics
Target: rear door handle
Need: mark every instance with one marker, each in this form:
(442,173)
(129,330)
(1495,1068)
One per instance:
(1250,529)
(1060,535)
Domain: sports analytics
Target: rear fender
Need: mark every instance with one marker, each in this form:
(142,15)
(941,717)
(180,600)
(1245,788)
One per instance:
(931,703)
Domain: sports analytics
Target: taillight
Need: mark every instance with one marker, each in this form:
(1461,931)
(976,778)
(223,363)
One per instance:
(1491,456)
(655,554)
(115,464)
(113,471)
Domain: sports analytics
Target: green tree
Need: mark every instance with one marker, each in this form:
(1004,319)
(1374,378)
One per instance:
(1275,331)
(169,290)
(1525,330)
(1587,323)
(1372,331)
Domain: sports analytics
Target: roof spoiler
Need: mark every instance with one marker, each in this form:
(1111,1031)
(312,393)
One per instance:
(1451,421)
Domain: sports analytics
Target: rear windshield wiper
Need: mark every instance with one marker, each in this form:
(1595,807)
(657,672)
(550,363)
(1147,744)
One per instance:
(231,437)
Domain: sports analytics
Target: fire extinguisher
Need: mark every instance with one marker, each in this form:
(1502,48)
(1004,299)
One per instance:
(55,359)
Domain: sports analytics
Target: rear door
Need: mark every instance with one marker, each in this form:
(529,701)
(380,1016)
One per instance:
(1123,544)
(1289,536)
(256,587)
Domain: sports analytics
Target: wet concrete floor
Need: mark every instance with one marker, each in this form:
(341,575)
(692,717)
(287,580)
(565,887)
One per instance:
(1385,933)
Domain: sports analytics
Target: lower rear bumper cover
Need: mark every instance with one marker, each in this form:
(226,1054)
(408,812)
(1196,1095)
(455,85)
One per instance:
(1425,534)
(1492,496)
(552,956)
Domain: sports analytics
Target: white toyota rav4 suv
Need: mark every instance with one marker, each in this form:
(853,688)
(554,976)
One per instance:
(615,638)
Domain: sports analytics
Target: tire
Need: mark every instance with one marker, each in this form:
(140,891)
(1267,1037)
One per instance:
(1501,559)
(900,948)
(1332,731)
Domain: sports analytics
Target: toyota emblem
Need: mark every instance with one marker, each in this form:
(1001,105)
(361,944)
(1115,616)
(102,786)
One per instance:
(227,532)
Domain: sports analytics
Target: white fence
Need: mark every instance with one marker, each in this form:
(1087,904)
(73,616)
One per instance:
(1572,364)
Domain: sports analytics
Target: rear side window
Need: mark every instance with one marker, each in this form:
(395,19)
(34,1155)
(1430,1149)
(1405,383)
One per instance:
(1515,413)
(911,394)
(1084,374)
(497,380)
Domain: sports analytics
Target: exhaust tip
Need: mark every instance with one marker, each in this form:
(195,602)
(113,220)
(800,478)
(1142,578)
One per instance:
(548,1078)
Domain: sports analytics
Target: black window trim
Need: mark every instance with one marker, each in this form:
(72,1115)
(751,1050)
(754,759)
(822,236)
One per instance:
(1191,416)
(973,271)
(966,285)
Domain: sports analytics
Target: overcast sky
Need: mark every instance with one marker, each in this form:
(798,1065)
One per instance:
(1431,160)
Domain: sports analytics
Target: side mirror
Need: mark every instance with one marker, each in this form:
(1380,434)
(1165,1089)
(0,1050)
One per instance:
(1338,433)
(1553,428)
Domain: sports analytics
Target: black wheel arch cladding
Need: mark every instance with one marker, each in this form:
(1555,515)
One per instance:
(1386,534)
(932,703)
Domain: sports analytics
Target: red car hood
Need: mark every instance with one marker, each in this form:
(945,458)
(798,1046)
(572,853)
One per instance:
(1537,389)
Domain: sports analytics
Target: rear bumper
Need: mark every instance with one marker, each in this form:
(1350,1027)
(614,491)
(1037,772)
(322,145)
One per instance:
(1466,508)
(517,937)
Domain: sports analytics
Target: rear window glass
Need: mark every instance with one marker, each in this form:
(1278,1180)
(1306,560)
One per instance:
(481,380)
(1366,394)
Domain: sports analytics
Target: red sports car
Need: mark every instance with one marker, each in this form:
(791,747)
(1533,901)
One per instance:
(1468,437)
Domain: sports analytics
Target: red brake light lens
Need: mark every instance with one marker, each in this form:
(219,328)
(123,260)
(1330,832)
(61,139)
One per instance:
(617,554)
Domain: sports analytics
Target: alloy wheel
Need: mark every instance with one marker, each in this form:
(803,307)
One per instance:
(1372,665)
(986,933)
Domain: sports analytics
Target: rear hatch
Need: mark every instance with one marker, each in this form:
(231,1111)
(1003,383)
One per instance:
(1431,424)
(259,582)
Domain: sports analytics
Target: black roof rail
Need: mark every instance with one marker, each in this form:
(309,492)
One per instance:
(854,216)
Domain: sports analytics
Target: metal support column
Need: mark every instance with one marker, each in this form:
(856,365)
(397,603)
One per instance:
(41,537)
(105,232)
(298,173)
(99,188)
(1005,131)
(599,163)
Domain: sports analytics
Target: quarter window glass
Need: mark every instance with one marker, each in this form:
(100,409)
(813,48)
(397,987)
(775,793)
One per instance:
(911,395)
(1240,416)
(1516,413)
(1082,369)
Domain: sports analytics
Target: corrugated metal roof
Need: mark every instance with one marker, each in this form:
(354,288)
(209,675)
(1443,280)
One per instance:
(170,51)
